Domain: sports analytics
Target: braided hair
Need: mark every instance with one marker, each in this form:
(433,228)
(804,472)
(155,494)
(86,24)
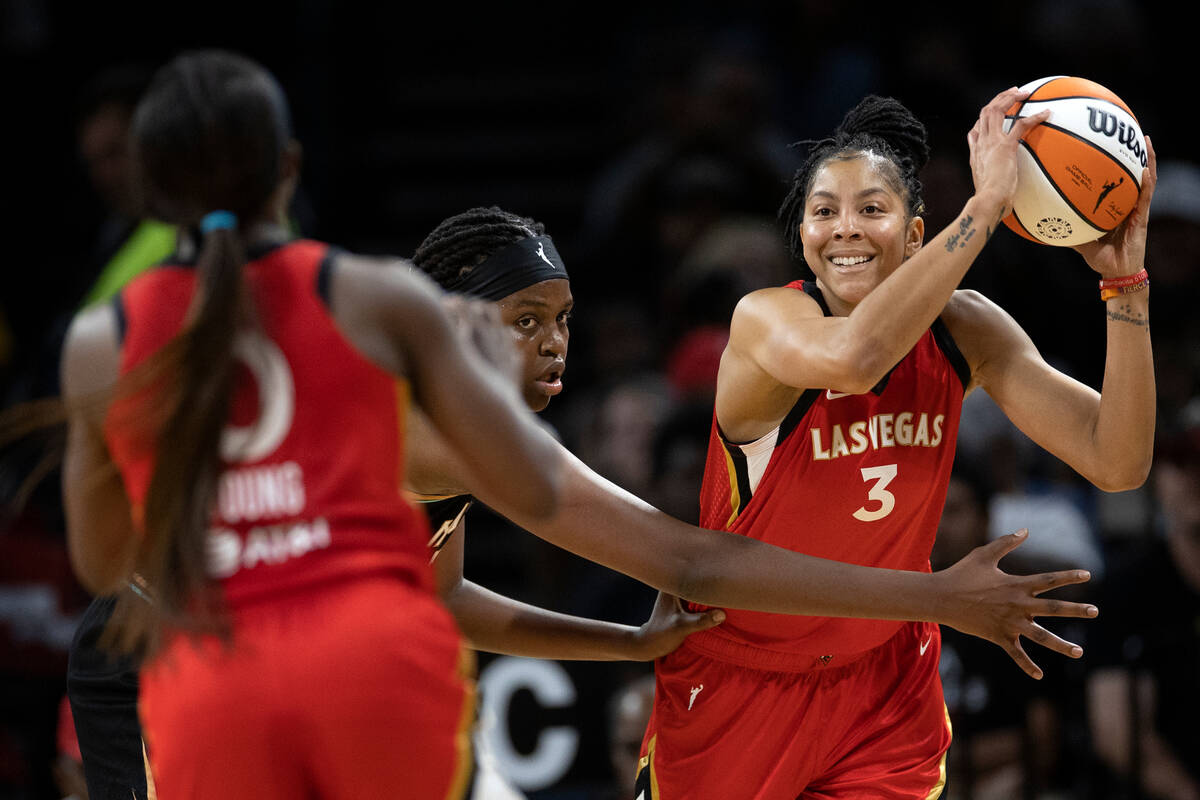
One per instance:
(464,241)
(882,126)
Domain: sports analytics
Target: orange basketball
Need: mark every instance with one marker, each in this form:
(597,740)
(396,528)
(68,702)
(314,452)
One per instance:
(1080,171)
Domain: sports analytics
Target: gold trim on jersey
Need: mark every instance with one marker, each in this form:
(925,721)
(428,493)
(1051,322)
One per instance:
(151,792)
(937,789)
(448,526)
(647,777)
(417,497)
(460,786)
(735,500)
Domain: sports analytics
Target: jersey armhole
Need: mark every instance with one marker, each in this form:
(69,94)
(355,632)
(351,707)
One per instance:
(945,342)
(811,289)
(325,276)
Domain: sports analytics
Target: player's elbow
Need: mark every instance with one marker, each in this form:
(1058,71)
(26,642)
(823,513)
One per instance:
(1118,486)
(101,564)
(698,575)
(1123,477)
(859,364)
(96,576)
(543,495)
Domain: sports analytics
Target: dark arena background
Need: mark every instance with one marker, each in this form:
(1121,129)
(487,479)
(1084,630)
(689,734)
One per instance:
(652,140)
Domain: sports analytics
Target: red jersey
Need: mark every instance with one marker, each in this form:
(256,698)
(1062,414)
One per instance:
(854,478)
(311,486)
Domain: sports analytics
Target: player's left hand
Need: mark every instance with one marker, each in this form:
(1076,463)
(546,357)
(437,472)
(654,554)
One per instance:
(1123,251)
(983,600)
(669,625)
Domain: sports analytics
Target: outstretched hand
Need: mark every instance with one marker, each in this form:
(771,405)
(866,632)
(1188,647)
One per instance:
(989,603)
(669,625)
(1123,250)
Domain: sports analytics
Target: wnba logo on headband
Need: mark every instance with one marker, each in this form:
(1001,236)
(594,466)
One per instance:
(512,268)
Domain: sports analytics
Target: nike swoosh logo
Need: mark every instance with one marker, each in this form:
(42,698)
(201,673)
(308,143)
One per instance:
(830,394)
(925,646)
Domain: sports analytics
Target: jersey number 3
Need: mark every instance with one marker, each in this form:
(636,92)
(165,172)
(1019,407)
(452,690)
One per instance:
(878,493)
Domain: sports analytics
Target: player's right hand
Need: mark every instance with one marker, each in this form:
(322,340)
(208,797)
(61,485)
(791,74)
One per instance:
(668,626)
(994,151)
(983,600)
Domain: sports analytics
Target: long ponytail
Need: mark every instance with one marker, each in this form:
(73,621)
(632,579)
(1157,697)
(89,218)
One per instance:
(208,137)
(193,403)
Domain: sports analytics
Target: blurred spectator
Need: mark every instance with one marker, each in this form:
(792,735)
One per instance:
(628,713)
(127,242)
(123,242)
(1145,647)
(40,604)
(1030,488)
(622,424)
(734,257)
(1173,258)
(1060,533)
(719,153)
(1008,730)
(680,450)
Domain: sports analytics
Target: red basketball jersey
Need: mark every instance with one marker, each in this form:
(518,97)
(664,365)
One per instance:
(854,478)
(313,452)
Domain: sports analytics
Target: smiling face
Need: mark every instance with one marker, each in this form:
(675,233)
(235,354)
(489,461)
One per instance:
(539,316)
(856,228)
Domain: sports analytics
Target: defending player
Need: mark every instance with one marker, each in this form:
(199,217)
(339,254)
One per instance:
(509,260)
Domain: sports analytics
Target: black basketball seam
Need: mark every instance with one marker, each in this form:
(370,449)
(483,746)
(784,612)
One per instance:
(1017,218)
(1031,93)
(1070,205)
(1136,179)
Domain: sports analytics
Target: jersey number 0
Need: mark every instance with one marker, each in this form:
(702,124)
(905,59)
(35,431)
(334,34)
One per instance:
(276,401)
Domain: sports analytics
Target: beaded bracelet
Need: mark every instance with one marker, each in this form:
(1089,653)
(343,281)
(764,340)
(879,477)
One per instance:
(1128,284)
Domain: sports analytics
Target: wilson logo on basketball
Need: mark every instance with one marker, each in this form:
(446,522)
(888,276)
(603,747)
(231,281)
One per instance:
(1103,122)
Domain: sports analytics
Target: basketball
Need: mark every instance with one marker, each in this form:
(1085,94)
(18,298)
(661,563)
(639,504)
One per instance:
(1080,171)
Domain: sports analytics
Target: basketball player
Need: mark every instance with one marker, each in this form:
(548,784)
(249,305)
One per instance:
(508,259)
(834,431)
(247,470)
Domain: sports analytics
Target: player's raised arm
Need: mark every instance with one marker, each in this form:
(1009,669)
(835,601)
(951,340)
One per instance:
(1107,436)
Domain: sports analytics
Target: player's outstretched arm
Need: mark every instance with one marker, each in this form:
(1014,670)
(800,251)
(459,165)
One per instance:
(606,524)
(497,624)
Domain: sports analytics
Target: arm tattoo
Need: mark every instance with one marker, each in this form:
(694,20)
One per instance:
(1126,314)
(966,229)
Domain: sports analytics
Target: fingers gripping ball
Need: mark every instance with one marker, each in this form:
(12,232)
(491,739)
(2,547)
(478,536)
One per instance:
(1080,171)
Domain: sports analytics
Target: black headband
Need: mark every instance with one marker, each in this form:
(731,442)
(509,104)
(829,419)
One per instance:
(512,268)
